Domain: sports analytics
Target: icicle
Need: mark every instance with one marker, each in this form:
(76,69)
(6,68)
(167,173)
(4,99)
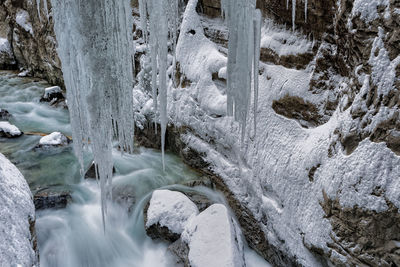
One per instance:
(305,10)
(293,14)
(287,4)
(163,15)
(95,47)
(38,9)
(257,40)
(242,48)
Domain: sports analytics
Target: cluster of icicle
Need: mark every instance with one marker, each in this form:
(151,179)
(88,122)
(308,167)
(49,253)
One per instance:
(159,18)
(294,11)
(244,25)
(96,48)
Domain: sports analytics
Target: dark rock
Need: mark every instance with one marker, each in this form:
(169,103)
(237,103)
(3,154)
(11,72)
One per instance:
(294,107)
(4,115)
(181,252)
(201,201)
(48,199)
(91,172)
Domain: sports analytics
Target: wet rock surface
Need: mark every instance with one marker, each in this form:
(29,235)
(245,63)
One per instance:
(51,198)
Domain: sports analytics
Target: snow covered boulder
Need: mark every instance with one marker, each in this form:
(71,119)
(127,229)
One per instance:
(4,115)
(8,130)
(167,214)
(54,139)
(53,95)
(17,218)
(214,239)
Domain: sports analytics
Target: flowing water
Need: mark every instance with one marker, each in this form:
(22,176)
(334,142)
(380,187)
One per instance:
(74,236)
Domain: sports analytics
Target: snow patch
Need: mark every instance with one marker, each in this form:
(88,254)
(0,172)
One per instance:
(282,41)
(22,20)
(368,9)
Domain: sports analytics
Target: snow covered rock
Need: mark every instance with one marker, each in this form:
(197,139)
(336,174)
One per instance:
(4,115)
(8,130)
(214,239)
(168,213)
(17,218)
(52,94)
(54,139)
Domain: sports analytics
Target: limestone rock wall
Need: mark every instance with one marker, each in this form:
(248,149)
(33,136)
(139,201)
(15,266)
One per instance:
(31,38)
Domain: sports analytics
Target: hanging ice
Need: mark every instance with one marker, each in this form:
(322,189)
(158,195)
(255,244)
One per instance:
(163,15)
(293,14)
(243,54)
(95,47)
(305,10)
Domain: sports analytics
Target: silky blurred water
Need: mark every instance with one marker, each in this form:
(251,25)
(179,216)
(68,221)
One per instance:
(74,236)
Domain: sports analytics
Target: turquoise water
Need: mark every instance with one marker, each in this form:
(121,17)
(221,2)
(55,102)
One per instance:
(74,236)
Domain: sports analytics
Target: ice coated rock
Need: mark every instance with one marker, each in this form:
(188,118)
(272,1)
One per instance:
(213,239)
(17,216)
(54,139)
(168,213)
(9,130)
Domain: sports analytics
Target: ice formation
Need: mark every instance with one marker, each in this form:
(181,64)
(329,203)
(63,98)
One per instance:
(162,17)
(293,14)
(243,49)
(95,46)
(305,10)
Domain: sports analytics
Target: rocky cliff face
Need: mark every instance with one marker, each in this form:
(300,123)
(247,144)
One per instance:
(31,39)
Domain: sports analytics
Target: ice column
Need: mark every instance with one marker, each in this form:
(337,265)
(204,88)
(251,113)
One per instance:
(95,47)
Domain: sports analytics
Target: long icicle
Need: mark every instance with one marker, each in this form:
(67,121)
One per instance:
(163,15)
(95,47)
(242,50)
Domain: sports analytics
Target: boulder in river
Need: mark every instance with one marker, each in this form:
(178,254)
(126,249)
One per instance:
(167,214)
(53,95)
(214,239)
(8,130)
(54,139)
(4,115)
(51,199)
